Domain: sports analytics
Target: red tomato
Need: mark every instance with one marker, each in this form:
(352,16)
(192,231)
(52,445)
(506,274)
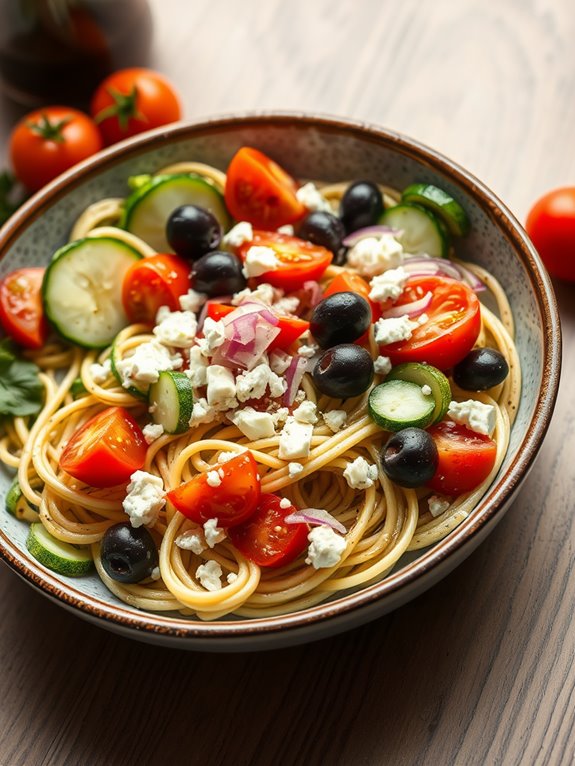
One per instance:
(451,330)
(106,450)
(299,260)
(132,101)
(153,282)
(551,226)
(347,281)
(290,327)
(48,141)
(465,458)
(21,310)
(231,502)
(266,539)
(259,191)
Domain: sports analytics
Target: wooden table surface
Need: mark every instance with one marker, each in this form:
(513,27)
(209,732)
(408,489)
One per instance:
(480,669)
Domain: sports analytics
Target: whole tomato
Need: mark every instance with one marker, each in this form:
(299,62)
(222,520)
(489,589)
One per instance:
(551,226)
(48,141)
(132,101)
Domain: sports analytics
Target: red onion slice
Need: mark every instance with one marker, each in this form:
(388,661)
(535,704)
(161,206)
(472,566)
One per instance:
(427,265)
(413,309)
(293,376)
(317,517)
(472,279)
(249,331)
(314,291)
(369,231)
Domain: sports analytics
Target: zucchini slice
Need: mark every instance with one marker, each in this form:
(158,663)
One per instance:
(82,290)
(148,209)
(171,401)
(63,558)
(426,375)
(17,504)
(139,393)
(442,204)
(398,404)
(421,232)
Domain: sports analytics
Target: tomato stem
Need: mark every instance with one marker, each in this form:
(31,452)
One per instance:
(49,131)
(125,108)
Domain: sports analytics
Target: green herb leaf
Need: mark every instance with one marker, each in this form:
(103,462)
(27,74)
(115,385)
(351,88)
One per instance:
(21,391)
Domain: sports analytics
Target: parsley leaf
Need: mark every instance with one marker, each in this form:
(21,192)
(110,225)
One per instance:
(21,391)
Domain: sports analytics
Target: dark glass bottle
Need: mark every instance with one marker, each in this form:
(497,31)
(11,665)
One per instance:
(57,51)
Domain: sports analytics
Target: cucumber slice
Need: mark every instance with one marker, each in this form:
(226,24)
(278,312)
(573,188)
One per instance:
(421,232)
(63,558)
(440,203)
(82,290)
(171,401)
(426,375)
(147,210)
(139,393)
(17,504)
(397,404)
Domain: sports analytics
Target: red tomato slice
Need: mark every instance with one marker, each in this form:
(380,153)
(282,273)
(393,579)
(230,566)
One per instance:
(451,330)
(266,539)
(465,458)
(258,190)
(290,327)
(231,502)
(106,450)
(153,282)
(347,281)
(299,260)
(21,310)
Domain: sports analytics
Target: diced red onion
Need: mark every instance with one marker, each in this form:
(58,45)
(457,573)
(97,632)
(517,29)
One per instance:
(369,231)
(226,299)
(293,376)
(314,291)
(413,309)
(249,331)
(251,307)
(317,517)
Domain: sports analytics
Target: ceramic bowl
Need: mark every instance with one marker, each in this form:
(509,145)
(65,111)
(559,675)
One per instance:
(327,149)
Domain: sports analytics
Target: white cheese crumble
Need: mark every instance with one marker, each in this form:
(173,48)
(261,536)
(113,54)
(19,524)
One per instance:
(294,469)
(239,234)
(209,575)
(286,229)
(285,503)
(263,293)
(100,372)
(279,361)
(145,498)
(374,255)
(280,415)
(312,199)
(214,336)
(212,533)
(325,549)
(259,260)
(437,505)
(360,474)
(307,351)
(335,419)
(231,577)
(156,574)
(176,328)
(152,431)
(475,415)
(221,384)
(225,457)
(192,540)
(286,306)
(295,439)
(253,384)
(426,390)
(389,285)
(202,413)
(382,365)
(213,479)
(198,366)
(146,363)
(192,301)
(253,424)
(393,329)
(306,412)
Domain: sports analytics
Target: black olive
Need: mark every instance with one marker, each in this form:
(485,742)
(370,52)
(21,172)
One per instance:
(218,273)
(410,457)
(361,206)
(128,554)
(481,369)
(343,371)
(193,231)
(340,318)
(323,228)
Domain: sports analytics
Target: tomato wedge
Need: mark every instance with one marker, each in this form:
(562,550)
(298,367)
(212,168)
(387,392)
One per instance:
(451,330)
(290,327)
(465,458)
(106,450)
(258,190)
(266,539)
(298,260)
(347,281)
(152,282)
(21,311)
(231,502)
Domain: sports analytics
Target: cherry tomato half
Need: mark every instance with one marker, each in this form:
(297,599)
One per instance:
(290,327)
(258,190)
(266,539)
(298,260)
(152,282)
(48,141)
(347,281)
(454,322)
(551,226)
(132,101)
(106,450)
(21,310)
(465,458)
(232,502)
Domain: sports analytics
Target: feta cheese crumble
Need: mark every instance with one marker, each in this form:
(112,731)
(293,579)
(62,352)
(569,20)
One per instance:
(152,431)
(100,372)
(253,384)
(198,366)
(231,577)
(325,549)
(360,474)
(306,412)
(312,199)
(475,415)
(238,235)
(192,301)
(335,419)
(221,384)
(212,533)
(426,390)
(253,424)
(389,285)
(286,229)
(209,575)
(213,479)
(176,328)
(294,469)
(146,363)
(307,351)
(393,329)
(285,503)
(259,260)
(295,439)
(263,293)
(374,255)
(145,499)
(202,413)
(437,505)
(214,335)
(192,540)
(382,365)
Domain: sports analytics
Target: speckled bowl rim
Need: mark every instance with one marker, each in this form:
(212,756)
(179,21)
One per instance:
(491,506)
